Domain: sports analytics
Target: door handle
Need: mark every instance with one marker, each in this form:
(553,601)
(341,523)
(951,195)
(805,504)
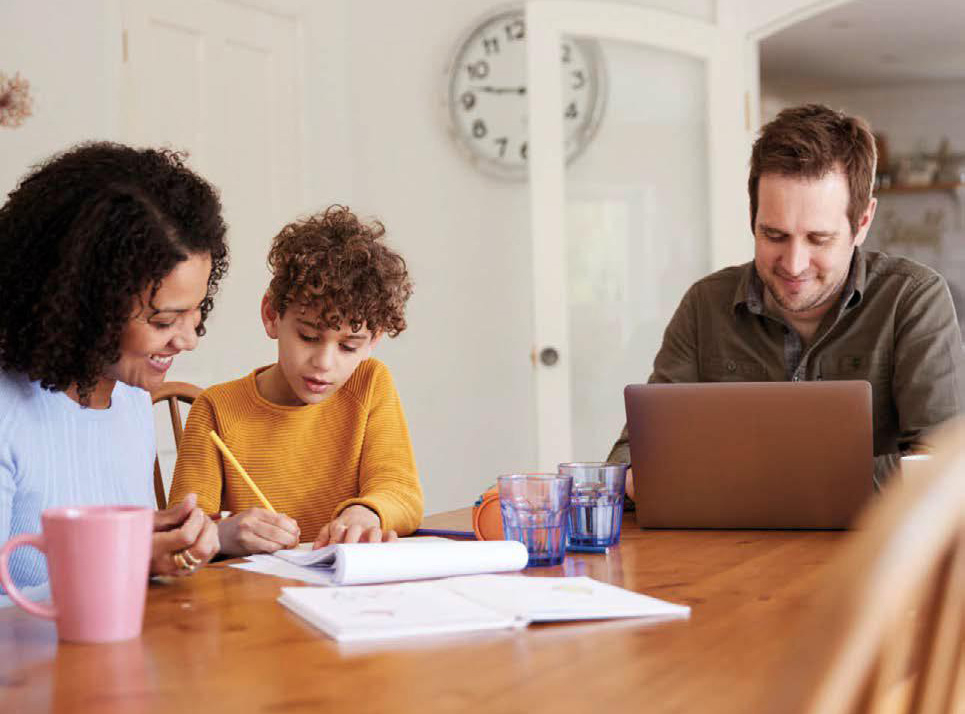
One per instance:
(549,356)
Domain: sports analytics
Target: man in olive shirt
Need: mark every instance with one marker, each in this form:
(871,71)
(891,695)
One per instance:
(812,305)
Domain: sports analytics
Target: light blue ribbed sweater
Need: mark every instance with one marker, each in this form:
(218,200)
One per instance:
(53,452)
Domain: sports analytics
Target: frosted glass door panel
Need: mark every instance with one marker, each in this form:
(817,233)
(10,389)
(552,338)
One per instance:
(637,225)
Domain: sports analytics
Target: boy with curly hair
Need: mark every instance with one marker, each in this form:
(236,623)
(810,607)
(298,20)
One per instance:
(321,431)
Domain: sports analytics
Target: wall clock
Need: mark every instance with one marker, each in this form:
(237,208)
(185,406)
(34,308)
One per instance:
(486,93)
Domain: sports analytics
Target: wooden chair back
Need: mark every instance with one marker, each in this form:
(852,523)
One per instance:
(172,393)
(886,633)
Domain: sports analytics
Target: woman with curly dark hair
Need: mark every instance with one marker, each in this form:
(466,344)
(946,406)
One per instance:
(111,258)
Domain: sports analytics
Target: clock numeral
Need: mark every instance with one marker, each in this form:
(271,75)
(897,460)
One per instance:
(479,128)
(578,79)
(524,150)
(468,100)
(516,30)
(491,45)
(503,143)
(567,51)
(478,70)
(571,112)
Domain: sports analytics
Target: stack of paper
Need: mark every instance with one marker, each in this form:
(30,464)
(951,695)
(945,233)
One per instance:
(411,559)
(481,602)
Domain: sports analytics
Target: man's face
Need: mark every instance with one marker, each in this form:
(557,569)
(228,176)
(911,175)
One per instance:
(802,239)
(315,362)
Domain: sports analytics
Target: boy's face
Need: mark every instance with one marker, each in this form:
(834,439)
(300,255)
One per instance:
(313,362)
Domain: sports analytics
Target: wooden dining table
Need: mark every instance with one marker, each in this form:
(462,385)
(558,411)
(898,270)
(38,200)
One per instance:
(218,641)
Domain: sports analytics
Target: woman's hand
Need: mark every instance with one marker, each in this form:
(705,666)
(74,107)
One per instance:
(257,531)
(184,539)
(356,524)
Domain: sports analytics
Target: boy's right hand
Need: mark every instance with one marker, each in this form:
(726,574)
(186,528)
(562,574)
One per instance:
(257,531)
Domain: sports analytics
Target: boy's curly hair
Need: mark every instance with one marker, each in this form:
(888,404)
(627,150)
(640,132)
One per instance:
(335,262)
(82,236)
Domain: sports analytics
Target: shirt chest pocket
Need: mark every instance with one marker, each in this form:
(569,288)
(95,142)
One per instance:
(855,366)
(866,368)
(725,369)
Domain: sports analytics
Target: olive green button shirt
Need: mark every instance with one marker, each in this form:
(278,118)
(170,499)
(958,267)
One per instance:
(894,326)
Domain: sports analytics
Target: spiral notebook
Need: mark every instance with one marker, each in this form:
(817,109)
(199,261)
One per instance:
(409,559)
(466,604)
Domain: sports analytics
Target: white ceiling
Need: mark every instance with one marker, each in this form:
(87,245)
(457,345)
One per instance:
(870,43)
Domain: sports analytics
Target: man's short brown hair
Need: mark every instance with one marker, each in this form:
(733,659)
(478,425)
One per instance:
(335,262)
(809,142)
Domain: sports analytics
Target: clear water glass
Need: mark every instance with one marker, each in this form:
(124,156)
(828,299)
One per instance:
(596,502)
(535,509)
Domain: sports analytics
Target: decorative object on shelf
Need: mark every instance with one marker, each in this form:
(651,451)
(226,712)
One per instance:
(917,171)
(951,166)
(943,169)
(897,234)
(16,103)
(486,93)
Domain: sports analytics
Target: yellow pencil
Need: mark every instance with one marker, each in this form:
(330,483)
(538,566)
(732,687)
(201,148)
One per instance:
(244,474)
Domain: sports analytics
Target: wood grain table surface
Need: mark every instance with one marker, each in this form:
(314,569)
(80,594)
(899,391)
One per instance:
(218,641)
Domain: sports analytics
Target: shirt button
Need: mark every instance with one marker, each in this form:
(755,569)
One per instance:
(731,366)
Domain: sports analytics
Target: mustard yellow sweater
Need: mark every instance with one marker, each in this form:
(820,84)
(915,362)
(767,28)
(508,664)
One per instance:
(311,462)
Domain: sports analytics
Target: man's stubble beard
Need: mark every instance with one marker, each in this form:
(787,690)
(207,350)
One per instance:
(819,301)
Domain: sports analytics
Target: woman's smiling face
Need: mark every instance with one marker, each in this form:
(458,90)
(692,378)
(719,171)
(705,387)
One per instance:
(160,328)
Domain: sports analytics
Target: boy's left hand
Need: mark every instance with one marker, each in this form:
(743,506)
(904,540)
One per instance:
(356,524)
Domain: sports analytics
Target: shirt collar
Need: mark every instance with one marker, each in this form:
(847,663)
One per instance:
(857,278)
(750,290)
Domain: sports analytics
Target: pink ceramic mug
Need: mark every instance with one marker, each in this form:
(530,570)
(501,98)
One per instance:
(98,559)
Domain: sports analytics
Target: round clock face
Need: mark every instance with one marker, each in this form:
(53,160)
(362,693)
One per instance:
(487,101)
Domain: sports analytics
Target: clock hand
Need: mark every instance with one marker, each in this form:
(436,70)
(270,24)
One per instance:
(501,90)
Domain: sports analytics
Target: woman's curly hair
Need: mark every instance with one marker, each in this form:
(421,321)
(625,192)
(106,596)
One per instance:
(82,236)
(334,262)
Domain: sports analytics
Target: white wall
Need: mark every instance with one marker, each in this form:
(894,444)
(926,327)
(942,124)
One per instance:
(70,53)
(911,116)
(760,18)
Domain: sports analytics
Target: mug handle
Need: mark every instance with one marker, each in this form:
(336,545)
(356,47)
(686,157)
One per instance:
(34,608)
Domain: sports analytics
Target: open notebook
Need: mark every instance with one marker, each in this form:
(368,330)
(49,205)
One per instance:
(465,604)
(410,559)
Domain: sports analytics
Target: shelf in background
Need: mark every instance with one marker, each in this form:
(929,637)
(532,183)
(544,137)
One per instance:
(927,188)
(955,190)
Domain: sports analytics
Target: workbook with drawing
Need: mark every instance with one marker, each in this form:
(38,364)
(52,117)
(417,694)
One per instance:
(408,559)
(465,604)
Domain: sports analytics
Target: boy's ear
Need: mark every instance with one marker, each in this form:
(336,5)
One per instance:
(375,339)
(269,317)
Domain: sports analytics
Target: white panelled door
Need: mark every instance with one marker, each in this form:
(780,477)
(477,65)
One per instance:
(655,202)
(221,80)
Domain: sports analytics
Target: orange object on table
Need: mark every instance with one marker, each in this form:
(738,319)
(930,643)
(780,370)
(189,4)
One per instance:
(487,518)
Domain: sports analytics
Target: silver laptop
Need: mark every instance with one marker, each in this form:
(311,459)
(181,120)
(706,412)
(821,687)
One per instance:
(750,454)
